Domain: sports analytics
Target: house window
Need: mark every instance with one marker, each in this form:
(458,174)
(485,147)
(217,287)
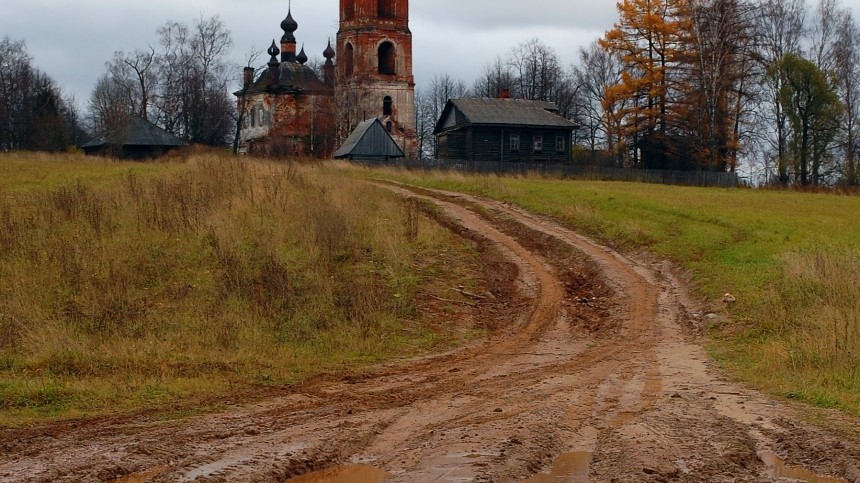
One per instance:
(387,106)
(387,59)
(559,144)
(538,144)
(515,143)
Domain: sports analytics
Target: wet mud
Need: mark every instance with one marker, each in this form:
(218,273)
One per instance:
(592,372)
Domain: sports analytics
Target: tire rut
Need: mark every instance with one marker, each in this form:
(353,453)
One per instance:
(636,396)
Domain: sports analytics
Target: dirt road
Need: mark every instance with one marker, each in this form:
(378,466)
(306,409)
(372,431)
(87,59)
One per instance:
(595,376)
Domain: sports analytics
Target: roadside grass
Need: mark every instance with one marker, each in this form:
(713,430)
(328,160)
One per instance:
(126,286)
(792,260)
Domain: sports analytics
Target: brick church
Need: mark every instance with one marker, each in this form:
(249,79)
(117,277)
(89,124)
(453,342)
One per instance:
(293,109)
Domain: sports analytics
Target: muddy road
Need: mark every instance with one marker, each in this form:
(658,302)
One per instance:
(591,373)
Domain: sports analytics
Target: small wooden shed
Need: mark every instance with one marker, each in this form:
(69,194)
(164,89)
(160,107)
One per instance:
(133,137)
(370,141)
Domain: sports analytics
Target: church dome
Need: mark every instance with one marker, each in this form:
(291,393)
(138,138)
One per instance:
(289,26)
(301,77)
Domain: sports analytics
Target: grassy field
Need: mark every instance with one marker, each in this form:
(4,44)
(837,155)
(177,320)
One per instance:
(128,285)
(792,260)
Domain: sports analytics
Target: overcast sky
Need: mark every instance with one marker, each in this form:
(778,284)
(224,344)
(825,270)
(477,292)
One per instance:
(72,40)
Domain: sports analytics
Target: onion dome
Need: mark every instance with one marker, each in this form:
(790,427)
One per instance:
(302,57)
(273,52)
(328,53)
(289,26)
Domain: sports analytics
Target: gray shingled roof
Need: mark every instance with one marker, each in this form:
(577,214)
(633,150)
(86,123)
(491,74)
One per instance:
(518,112)
(135,131)
(369,139)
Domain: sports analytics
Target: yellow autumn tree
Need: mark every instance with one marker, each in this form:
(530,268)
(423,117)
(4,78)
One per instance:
(649,38)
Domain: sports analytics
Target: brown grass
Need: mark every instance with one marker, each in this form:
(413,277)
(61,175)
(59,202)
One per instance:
(212,275)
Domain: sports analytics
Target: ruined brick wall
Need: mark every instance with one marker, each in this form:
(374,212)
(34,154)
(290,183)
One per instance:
(289,125)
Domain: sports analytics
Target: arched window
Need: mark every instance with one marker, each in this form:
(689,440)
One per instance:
(387,106)
(388,126)
(387,59)
(349,61)
(385,8)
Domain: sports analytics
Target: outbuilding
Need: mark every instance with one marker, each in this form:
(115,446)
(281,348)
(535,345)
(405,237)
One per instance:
(133,137)
(370,141)
(505,130)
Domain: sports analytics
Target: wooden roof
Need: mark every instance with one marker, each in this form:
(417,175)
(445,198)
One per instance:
(370,139)
(515,112)
(134,131)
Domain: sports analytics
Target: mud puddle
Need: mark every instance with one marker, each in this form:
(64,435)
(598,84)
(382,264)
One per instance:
(569,467)
(344,474)
(776,468)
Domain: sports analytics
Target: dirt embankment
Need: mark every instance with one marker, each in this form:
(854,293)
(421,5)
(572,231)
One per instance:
(589,373)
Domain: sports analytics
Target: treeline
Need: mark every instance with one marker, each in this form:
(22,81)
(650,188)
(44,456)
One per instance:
(698,85)
(182,84)
(34,113)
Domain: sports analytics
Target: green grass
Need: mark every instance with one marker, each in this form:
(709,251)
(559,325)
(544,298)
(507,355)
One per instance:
(791,259)
(131,286)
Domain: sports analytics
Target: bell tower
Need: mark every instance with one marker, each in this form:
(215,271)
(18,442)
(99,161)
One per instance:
(374,71)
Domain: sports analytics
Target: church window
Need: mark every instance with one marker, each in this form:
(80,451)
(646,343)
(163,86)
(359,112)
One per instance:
(387,106)
(387,59)
(385,8)
(349,61)
(388,126)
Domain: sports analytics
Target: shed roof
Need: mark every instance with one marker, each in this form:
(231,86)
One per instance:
(134,131)
(369,139)
(518,112)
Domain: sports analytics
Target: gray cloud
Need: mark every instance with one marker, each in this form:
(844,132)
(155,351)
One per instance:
(71,41)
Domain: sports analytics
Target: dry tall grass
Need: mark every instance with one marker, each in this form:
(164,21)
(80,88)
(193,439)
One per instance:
(817,319)
(222,273)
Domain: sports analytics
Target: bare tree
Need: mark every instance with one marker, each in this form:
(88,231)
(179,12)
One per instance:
(34,115)
(429,106)
(722,41)
(779,31)
(496,78)
(193,101)
(110,102)
(598,70)
(138,72)
(16,75)
(846,73)
(249,76)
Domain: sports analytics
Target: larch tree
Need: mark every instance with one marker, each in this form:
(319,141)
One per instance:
(648,38)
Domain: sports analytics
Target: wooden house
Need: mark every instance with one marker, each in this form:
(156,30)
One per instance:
(133,137)
(506,130)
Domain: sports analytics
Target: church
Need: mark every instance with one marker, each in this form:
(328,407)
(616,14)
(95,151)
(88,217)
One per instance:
(291,109)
